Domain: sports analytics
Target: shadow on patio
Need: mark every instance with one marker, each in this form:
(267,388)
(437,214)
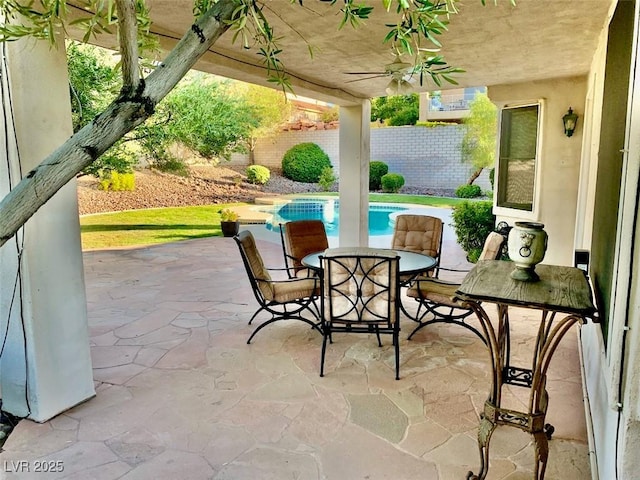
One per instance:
(181,395)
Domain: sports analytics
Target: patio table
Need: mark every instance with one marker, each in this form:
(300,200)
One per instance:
(411,263)
(560,290)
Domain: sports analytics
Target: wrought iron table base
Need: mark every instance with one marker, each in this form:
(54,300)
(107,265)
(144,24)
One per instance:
(549,335)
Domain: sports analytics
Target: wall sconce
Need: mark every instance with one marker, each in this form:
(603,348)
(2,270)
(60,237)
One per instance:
(570,120)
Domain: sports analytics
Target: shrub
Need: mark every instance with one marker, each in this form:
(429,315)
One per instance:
(257,174)
(104,183)
(228,215)
(169,164)
(492,176)
(304,162)
(331,115)
(472,222)
(392,182)
(376,170)
(468,191)
(119,158)
(117,182)
(327,179)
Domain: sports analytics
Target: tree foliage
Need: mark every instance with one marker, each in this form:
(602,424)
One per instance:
(203,115)
(414,34)
(480,130)
(272,110)
(94,83)
(209,117)
(396,110)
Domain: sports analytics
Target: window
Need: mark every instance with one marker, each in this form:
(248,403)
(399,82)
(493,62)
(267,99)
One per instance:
(519,128)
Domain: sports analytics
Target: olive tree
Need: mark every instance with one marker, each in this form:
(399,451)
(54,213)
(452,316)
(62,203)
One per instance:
(418,24)
(272,110)
(203,114)
(480,129)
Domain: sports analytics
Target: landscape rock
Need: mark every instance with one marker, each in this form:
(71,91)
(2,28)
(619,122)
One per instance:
(206,185)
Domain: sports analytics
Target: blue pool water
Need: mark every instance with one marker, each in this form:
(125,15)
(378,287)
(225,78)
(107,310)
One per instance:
(327,211)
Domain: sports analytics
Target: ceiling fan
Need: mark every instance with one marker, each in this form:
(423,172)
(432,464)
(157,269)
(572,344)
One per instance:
(397,70)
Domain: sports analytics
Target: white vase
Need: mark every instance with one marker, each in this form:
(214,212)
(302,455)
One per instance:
(527,245)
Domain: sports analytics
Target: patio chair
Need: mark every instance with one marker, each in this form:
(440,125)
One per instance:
(300,238)
(438,297)
(283,299)
(421,234)
(360,295)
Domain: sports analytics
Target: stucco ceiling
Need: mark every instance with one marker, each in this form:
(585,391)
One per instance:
(494,44)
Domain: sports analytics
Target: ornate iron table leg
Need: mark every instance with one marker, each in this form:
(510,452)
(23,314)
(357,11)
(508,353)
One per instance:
(497,345)
(532,421)
(541,454)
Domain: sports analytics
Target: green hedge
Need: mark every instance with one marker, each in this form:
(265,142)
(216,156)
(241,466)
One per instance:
(304,163)
(468,191)
(377,170)
(392,182)
(472,222)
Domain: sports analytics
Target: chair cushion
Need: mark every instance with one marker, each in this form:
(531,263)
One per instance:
(492,247)
(258,270)
(303,237)
(437,291)
(306,273)
(418,233)
(290,290)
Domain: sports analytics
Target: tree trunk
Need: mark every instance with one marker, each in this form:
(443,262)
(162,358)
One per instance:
(474,175)
(128,111)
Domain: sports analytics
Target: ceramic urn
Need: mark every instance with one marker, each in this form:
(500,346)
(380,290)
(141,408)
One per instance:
(527,245)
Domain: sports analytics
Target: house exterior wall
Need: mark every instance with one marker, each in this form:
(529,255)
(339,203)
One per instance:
(426,157)
(612,361)
(559,160)
(597,368)
(45,368)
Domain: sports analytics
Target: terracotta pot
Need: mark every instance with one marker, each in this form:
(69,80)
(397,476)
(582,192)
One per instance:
(527,245)
(230,229)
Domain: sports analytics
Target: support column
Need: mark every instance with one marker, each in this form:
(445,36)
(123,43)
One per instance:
(355,141)
(45,363)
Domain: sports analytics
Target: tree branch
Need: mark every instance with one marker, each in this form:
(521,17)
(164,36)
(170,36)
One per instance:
(123,115)
(128,38)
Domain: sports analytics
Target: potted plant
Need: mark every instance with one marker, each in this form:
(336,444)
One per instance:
(229,223)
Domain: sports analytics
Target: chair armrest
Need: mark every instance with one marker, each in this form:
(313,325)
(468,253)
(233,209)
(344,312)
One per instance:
(455,270)
(438,281)
(286,280)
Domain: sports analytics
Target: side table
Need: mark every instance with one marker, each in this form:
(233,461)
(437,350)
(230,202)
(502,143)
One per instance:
(560,290)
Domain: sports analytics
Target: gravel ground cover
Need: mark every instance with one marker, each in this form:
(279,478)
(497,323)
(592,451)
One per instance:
(205,185)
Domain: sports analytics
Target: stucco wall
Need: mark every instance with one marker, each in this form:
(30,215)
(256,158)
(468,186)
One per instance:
(426,157)
(46,365)
(559,160)
(612,362)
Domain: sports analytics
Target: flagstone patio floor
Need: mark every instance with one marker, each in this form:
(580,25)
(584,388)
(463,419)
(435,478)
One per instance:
(180,395)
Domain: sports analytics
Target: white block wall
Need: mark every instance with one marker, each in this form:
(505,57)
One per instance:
(426,157)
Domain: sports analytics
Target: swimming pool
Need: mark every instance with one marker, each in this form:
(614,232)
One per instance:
(327,211)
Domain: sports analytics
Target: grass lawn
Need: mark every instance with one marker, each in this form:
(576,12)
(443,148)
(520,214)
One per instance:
(164,225)
(152,226)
